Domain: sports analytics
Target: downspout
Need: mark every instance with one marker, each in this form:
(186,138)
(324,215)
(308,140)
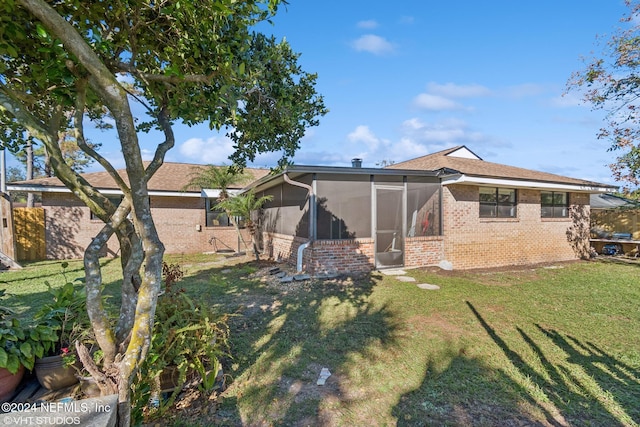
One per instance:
(312,201)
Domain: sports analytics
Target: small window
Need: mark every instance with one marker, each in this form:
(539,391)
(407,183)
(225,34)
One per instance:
(554,204)
(115,201)
(218,218)
(215,217)
(498,202)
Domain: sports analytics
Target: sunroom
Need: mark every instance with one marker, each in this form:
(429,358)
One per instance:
(352,219)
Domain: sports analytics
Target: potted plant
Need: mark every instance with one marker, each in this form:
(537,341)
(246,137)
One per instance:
(20,345)
(67,314)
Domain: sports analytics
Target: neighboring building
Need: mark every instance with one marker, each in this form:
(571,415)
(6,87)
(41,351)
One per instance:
(615,226)
(448,208)
(183,218)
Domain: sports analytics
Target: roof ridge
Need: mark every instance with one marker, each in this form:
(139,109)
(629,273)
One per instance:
(436,154)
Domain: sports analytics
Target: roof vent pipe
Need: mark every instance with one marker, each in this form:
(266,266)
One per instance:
(356,163)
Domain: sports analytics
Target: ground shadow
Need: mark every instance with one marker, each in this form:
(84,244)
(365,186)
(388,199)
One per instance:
(468,392)
(61,231)
(281,341)
(563,394)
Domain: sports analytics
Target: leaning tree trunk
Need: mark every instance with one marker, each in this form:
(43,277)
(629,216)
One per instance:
(251,226)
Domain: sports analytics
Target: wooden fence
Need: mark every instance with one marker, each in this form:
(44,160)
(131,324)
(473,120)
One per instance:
(29,234)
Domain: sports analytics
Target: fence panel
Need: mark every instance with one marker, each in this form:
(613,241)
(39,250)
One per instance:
(30,238)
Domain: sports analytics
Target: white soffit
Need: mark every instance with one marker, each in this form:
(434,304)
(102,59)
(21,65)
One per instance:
(214,193)
(504,182)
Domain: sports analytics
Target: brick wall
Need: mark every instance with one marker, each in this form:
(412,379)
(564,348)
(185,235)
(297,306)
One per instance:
(474,242)
(423,251)
(180,222)
(342,256)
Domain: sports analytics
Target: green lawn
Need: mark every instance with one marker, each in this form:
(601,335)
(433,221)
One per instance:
(544,346)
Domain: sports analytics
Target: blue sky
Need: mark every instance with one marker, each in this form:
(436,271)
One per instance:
(408,78)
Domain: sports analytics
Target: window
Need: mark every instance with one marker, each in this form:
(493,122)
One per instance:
(554,204)
(115,201)
(215,217)
(498,202)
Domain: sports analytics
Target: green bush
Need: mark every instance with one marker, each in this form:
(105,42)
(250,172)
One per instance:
(67,315)
(21,344)
(185,338)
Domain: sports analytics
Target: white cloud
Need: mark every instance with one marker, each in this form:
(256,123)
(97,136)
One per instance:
(452,90)
(147,154)
(369,24)
(372,44)
(571,99)
(407,20)
(213,150)
(525,90)
(362,134)
(428,101)
(443,132)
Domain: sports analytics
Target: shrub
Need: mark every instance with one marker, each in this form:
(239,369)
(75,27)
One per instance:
(185,338)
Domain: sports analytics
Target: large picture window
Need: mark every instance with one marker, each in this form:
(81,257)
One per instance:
(554,204)
(498,202)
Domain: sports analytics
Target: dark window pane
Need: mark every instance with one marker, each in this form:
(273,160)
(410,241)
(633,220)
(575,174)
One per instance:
(487,194)
(560,212)
(505,211)
(559,198)
(554,204)
(546,211)
(487,210)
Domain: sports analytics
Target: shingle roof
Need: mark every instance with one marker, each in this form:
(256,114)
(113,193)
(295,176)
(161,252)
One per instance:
(169,177)
(611,201)
(480,168)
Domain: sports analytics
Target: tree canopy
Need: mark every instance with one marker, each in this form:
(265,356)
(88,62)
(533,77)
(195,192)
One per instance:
(66,62)
(611,83)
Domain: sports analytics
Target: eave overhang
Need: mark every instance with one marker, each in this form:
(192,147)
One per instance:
(591,188)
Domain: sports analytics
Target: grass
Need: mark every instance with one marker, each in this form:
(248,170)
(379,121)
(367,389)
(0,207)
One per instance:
(535,346)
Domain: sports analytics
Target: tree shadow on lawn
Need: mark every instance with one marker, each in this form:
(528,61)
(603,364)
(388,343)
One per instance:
(282,335)
(590,387)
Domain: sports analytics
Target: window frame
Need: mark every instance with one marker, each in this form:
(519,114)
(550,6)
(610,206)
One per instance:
(554,206)
(495,211)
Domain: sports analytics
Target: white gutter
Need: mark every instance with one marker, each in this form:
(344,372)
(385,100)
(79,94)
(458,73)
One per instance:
(305,245)
(505,182)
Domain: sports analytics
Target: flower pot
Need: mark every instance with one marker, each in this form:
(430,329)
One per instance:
(9,382)
(53,375)
(169,379)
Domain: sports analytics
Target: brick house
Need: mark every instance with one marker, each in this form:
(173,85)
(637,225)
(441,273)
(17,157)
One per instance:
(184,219)
(449,208)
